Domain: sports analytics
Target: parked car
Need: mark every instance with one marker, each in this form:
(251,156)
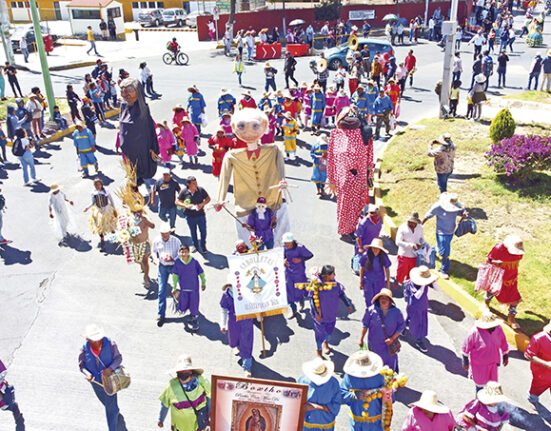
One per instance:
(174,16)
(191,19)
(27,31)
(337,55)
(152,18)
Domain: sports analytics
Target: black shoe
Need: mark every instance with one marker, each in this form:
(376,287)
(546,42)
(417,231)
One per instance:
(193,249)
(160,321)
(194,325)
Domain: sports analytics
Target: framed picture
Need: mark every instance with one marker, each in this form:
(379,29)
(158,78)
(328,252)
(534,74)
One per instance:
(242,404)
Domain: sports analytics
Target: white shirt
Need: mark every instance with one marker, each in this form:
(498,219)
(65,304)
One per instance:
(406,239)
(145,73)
(431,23)
(250,41)
(163,251)
(23,44)
(457,64)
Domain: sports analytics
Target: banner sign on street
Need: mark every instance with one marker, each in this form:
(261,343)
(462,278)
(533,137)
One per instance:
(360,15)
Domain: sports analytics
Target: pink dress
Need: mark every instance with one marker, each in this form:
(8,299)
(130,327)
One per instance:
(268,138)
(341,102)
(166,143)
(480,415)
(347,152)
(189,132)
(330,104)
(416,420)
(226,125)
(178,117)
(484,351)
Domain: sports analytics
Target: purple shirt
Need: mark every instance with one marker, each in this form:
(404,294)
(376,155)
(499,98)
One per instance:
(188,274)
(297,269)
(416,420)
(261,226)
(377,272)
(329,302)
(367,230)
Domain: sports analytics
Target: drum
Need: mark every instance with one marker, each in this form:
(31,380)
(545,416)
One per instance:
(119,379)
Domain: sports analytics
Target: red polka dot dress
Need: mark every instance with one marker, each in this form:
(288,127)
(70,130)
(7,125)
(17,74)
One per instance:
(348,164)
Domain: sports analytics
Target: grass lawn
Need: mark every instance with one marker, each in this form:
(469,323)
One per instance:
(408,183)
(531,96)
(60,101)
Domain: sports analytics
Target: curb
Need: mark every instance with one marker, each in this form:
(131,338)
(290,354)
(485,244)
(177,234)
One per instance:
(467,303)
(189,30)
(73,65)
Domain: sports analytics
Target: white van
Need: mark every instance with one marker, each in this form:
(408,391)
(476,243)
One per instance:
(174,16)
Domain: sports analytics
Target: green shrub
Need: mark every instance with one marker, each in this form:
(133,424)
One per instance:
(503,126)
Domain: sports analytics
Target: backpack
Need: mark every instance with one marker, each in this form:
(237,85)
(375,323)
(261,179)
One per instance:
(18,149)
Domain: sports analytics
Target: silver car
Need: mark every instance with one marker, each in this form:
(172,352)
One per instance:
(174,16)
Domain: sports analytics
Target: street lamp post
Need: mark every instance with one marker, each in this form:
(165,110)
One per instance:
(43,60)
(4,26)
(448,29)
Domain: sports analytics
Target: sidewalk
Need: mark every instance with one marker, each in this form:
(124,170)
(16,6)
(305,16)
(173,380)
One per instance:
(522,111)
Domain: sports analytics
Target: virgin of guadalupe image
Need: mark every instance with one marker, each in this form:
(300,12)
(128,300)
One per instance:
(255,422)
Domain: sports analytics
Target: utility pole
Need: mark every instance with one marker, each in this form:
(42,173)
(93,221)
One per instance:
(4,27)
(448,29)
(284,21)
(43,60)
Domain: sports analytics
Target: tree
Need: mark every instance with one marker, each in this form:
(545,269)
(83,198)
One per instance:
(503,126)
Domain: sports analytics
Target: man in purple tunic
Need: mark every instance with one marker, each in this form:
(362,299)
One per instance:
(324,306)
(240,332)
(385,322)
(185,276)
(368,228)
(417,300)
(261,221)
(295,271)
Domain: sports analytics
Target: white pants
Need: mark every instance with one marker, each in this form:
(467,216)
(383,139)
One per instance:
(546,80)
(283,224)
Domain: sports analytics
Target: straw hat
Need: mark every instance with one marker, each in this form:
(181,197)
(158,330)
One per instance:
(80,124)
(193,88)
(449,202)
(165,227)
(287,237)
(266,94)
(318,370)
(377,243)
(317,87)
(267,65)
(247,93)
(178,106)
(513,244)
(414,217)
(480,78)
(384,292)
(363,364)
(487,320)
(184,364)
(422,276)
(93,332)
(288,115)
(54,187)
(185,119)
(492,393)
(303,84)
(226,112)
(429,401)
(224,91)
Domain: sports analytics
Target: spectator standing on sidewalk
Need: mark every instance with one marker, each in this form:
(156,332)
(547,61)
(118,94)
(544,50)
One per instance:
(11,71)
(457,67)
(534,72)
(112,28)
(502,68)
(103,29)
(22,149)
(546,80)
(23,46)
(443,159)
(2,84)
(92,42)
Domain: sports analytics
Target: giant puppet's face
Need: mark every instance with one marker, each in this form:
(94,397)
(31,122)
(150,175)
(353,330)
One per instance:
(249,125)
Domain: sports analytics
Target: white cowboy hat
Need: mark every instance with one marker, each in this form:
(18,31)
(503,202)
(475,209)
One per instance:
(492,393)
(318,370)
(165,227)
(480,78)
(93,332)
(429,401)
(547,328)
(371,208)
(224,91)
(421,276)
(363,364)
(384,292)
(414,217)
(184,364)
(449,202)
(487,320)
(377,243)
(247,93)
(287,237)
(54,187)
(513,244)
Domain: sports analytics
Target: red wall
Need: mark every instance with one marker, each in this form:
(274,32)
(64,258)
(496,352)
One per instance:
(272,18)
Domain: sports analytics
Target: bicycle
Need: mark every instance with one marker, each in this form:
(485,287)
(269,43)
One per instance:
(179,57)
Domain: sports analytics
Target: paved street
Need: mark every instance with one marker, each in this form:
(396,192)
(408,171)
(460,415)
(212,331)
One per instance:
(49,293)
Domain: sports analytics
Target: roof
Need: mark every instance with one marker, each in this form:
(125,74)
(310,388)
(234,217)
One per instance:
(90,3)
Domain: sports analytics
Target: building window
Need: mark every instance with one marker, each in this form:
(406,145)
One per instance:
(161,4)
(85,14)
(13,4)
(135,5)
(114,12)
(151,4)
(20,4)
(143,5)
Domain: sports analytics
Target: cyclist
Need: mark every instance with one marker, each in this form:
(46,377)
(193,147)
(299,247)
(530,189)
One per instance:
(173,47)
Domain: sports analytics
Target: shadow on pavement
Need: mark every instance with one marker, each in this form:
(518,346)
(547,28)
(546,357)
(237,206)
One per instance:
(407,396)
(451,310)
(449,359)
(260,370)
(77,243)
(39,188)
(214,260)
(12,255)
(524,420)
(276,332)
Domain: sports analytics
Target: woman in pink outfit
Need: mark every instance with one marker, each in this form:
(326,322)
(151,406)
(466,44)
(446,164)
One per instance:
(330,113)
(166,141)
(191,139)
(349,163)
(179,114)
(341,101)
(484,349)
(268,137)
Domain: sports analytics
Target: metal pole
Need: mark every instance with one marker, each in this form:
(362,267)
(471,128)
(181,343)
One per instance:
(426,12)
(43,60)
(284,22)
(449,29)
(5,25)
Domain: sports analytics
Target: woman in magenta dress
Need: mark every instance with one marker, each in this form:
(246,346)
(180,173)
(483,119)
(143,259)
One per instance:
(166,141)
(225,122)
(349,163)
(268,137)
(341,101)
(484,349)
(191,138)
(486,412)
(330,113)
(179,114)
(507,255)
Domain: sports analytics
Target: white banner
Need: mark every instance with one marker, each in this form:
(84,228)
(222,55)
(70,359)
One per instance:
(357,15)
(258,283)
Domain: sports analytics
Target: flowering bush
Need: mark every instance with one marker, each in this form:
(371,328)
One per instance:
(520,155)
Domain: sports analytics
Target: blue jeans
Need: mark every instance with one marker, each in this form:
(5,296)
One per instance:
(27,162)
(92,47)
(536,78)
(170,212)
(25,53)
(111,406)
(501,76)
(239,76)
(249,53)
(270,83)
(13,407)
(201,223)
(456,76)
(442,180)
(443,247)
(162,278)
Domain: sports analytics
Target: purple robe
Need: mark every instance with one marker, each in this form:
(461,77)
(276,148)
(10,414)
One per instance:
(188,280)
(240,332)
(367,231)
(374,279)
(262,228)
(296,272)
(417,310)
(394,322)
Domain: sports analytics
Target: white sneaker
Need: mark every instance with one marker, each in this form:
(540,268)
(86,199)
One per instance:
(29,183)
(36,180)
(444,275)
(248,373)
